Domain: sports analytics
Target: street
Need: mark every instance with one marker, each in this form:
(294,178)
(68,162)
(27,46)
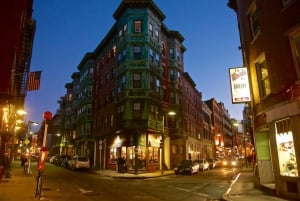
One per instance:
(64,184)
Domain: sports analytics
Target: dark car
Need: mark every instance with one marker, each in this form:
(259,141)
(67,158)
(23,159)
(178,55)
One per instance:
(187,167)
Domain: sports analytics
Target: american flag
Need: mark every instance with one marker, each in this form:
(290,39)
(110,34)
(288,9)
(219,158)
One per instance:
(34,80)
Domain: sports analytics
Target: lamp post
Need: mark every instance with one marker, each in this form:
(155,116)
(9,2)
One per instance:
(28,132)
(171,113)
(244,139)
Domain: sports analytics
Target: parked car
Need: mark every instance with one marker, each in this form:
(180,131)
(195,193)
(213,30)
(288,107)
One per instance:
(203,164)
(79,162)
(63,160)
(187,167)
(212,163)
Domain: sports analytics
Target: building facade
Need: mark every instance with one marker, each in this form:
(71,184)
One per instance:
(270,45)
(144,107)
(16,41)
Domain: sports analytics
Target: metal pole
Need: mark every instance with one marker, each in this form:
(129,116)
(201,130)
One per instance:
(45,134)
(163,145)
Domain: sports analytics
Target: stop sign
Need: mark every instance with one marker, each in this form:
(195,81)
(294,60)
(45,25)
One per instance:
(47,115)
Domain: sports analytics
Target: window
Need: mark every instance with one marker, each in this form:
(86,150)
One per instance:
(111,120)
(285,148)
(178,56)
(295,45)
(153,154)
(125,29)
(152,83)
(150,29)
(163,49)
(286,2)
(120,35)
(157,59)
(137,26)
(157,86)
(151,56)
(136,80)
(254,21)
(157,35)
(263,78)
(136,110)
(123,80)
(174,149)
(172,75)
(154,111)
(90,90)
(171,53)
(137,52)
(124,54)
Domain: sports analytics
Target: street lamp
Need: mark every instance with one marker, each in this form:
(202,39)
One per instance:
(28,132)
(171,113)
(243,138)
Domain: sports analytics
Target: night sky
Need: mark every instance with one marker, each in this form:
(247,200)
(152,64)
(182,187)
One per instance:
(67,29)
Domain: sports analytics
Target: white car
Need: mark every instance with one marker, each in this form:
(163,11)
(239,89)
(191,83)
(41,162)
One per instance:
(203,164)
(79,162)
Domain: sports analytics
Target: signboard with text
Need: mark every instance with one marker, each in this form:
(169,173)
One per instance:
(239,84)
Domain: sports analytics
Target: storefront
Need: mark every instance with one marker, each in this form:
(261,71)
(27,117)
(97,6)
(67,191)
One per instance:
(141,153)
(277,151)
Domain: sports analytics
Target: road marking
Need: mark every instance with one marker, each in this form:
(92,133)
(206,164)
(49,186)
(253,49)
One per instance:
(190,191)
(85,191)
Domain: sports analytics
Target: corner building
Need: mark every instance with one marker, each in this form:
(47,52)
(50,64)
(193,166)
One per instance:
(137,82)
(270,45)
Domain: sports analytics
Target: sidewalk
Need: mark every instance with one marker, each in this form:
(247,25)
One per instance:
(114,174)
(21,186)
(243,189)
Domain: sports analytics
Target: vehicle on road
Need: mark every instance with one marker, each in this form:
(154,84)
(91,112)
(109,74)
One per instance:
(187,167)
(79,162)
(212,163)
(230,162)
(203,164)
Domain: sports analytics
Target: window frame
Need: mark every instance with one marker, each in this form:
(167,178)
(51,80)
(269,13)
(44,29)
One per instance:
(263,80)
(137,26)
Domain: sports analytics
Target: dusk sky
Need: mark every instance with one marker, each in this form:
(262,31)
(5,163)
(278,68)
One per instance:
(67,29)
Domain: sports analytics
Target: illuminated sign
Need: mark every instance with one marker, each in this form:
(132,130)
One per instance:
(239,83)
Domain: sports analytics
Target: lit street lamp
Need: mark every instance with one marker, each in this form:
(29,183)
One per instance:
(29,132)
(171,113)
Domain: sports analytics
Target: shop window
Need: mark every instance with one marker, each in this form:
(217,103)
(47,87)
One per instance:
(113,155)
(153,155)
(286,149)
(174,149)
(131,151)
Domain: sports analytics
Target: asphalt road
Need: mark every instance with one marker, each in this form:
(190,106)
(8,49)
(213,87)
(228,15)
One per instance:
(64,184)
